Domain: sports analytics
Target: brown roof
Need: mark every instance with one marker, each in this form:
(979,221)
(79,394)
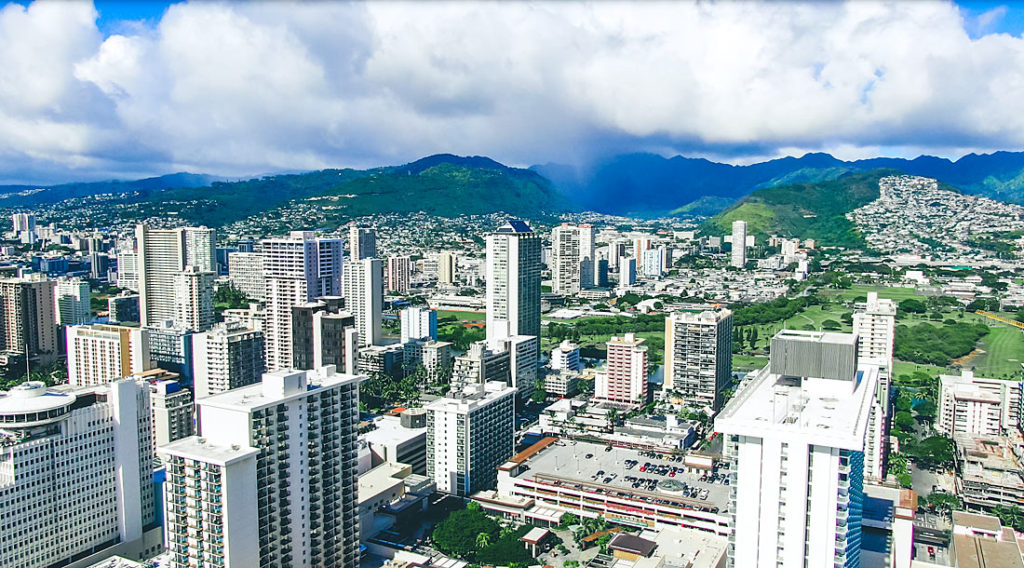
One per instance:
(532,450)
(594,536)
(980,522)
(632,544)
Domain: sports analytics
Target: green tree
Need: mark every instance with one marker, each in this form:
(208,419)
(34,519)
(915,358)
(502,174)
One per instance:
(934,451)
(483,540)
(228,297)
(913,306)
(458,534)
(904,420)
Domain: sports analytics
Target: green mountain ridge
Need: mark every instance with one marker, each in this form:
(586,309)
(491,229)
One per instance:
(814,210)
(444,186)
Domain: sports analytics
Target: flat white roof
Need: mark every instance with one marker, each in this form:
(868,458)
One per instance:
(196,448)
(821,411)
(390,430)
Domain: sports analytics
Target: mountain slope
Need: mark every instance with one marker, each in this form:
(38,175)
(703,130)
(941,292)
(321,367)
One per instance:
(442,185)
(648,182)
(806,210)
(31,195)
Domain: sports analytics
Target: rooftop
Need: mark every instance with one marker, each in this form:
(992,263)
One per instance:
(279,386)
(197,448)
(33,396)
(822,410)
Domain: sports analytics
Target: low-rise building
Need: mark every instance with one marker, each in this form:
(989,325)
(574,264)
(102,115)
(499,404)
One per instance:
(400,438)
(981,541)
(976,405)
(562,383)
(988,472)
(387,492)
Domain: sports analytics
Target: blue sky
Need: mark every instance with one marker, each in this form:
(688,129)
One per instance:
(132,89)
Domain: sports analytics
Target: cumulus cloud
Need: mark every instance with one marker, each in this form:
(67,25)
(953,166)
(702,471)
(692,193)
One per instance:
(237,89)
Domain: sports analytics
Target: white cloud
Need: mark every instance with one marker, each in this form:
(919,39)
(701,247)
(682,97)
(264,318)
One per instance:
(248,88)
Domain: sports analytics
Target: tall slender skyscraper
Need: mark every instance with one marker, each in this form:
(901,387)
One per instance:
(513,282)
(566,260)
(796,433)
(364,297)
(227,356)
(698,356)
(72,301)
(739,244)
(362,243)
(162,255)
(193,299)
(272,478)
(874,323)
(297,269)
(29,320)
(446,263)
(398,274)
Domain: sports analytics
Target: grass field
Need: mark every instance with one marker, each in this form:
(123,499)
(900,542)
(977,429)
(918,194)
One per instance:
(907,368)
(1004,352)
(462,316)
(862,290)
(748,362)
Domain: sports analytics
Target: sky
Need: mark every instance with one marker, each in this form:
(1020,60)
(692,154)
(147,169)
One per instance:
(122,90)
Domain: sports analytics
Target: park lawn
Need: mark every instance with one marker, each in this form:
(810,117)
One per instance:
(462,316)
(814,316)
(847,294)
(908,368)
(748,362)
(1004,352)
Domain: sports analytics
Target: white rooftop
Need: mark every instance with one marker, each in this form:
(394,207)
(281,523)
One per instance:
(197,448)
(822,411)
(33,396)
(278,386)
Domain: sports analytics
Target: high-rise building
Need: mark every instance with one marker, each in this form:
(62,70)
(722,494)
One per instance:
(566,260)
(77,471)
(435,357)
(297,269)
(278,459)
(418,323)
(978,406)
(627,272)
(446,263)
(100,353)
(193,299)
(470,433)
(653,262)
(739,244)
(513,282)
(398,274)
(364,297)
(163,254)
(324,334)
(523,363)
(228,356)
(173,411)
(698,356)
(588,257)
(795,432)
(128,269)
(245,270)
(566,356)
(170,348)
(624,379)
(25,227)
(362,243)
(72,301)
(123,308)
(29,321)
(874,323)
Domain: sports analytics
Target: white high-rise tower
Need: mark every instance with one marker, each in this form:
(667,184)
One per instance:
(795,432)
(739,244)
(874,323)
(364,297)
(297,269)
(698,356)
(565,260)
(162,255)
(513,282)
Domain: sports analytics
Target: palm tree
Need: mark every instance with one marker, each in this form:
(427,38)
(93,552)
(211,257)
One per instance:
(483,540)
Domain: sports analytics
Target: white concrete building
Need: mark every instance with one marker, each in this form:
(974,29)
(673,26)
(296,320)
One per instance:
(193,299)
(874,323)
(128,269)
(102,353)
(163,254)
(976,405)
(398,275)
(653,263)
(739,244)
(566,258)
(364,297)
(566,356)
(627,272)
(76,467)
(513,282)
(446,267)
(227,356)
(435,356)
(245,270)
(71,301)
(279,458)
(297,269)
(796,432)
(624,379)
(698,356)
(469,434)
(418,323)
